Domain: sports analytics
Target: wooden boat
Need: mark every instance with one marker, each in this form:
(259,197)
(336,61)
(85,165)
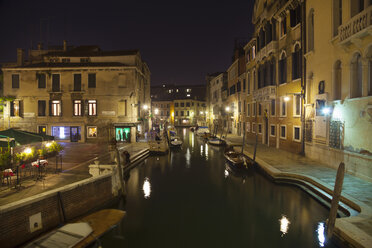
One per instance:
(216,142)
(235,159)
(82,232)
(202,131)
(176,141)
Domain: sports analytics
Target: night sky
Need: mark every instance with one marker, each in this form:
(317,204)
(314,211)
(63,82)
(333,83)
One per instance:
(181,41)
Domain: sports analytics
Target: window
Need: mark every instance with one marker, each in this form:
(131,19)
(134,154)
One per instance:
(295,16)
(16,108)
(187,113)
(41,81)
(168,105)
(249,83)
(356,76)
(254,109)
(55,108)
(259,109)
(272,130)
(337,15)
(91,80)
(283,27)
(167,113)
(181,113)
(310,45)
(187,104)
(176,113)
(192,104)
(249,109)
(248,126)
(182,104)
(239,107)
(15,81)
(356,7)
(283,69)
(77,108)
(244,107)
(272,113)
(244,85)
(296,63)
(296,133)
(77,82)
(42,129)
(92,107)
(176,104)
(232,90)
(259,128)
(337,80)
(41,108)
(92,132)
(188,90)
(253,127)
(283,132)
(56,83)
(283,107)
(84,60)
(238,87)
(161,113)
(65,60)
(297,105)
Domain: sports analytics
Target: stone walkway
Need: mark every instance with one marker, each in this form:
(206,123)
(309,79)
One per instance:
(358,191)
(76,158)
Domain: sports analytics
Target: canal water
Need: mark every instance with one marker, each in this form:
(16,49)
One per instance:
(190,198)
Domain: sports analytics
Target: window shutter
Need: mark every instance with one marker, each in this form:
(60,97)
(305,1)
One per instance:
(50,107)
(21,108)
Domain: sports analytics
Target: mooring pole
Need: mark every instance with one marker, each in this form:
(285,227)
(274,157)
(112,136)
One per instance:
(255,148)
(120,172)
(335,199)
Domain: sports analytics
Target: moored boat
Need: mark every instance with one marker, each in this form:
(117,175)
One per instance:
(176,141)
(82,232)
(216,142)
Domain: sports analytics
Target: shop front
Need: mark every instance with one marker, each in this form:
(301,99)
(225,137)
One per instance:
(66,133)
(125,132)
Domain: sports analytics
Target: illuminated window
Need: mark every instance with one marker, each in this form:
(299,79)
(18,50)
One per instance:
(42,129)
(55,108)
(77,108)
(188,90)
(92,107)
(16,108)
(92,132)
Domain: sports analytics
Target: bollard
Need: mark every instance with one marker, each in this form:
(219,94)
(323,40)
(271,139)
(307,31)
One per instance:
(335,199)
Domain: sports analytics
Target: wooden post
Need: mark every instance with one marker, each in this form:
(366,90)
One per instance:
(255,148)
(243,142)
(335,199)
(120,172)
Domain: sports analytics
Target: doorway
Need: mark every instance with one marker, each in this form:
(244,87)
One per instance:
(74,134)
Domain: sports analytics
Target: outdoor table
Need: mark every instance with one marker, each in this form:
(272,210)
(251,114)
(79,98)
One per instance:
(40,163)
(8,173)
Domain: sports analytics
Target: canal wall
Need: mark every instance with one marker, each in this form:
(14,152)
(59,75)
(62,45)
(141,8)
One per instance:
(26,219)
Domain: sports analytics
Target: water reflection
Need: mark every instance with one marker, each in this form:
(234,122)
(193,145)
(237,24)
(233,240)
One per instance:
(201,150)
(206,151)
(320,232)
(146,188)
(188,156)
(226,173)
(284,225)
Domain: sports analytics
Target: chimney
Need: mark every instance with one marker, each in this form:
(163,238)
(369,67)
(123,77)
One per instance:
(64,45)
(20,56)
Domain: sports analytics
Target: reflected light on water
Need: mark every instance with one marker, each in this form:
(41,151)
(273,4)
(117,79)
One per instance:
(284,225)
(206,151)
(201,150)
(146,188)
(188,156)
(226,173)
(320,232)
(192,140)
(184,132)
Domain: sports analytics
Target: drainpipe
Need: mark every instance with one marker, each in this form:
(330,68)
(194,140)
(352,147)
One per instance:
(303,76)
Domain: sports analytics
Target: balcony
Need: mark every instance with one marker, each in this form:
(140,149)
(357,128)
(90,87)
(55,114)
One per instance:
(265,94)
(272,47)
(356,27)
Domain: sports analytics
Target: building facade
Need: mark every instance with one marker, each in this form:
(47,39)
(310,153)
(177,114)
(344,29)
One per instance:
(216,83)
(80,94)
(339,84)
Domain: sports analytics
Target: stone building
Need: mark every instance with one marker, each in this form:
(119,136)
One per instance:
(78,94)
(339,84)
(216,83)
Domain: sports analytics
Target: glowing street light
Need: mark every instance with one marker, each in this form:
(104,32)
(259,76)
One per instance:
(28,150)
(286,98)
(156,111)
(145,107)
(326,110)
(201,112)
(227,109)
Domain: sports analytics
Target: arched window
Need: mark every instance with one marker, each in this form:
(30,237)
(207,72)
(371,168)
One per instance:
(272,71)
(283,68)
(369,57)
(356,76)
(296,62)
(310,46)
(356,6)
(337,81)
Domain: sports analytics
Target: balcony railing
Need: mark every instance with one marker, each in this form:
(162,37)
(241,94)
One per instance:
(265,94)
(272,47)
(356,25)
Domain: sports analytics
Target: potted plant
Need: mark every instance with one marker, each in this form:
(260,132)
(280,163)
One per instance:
(42,153)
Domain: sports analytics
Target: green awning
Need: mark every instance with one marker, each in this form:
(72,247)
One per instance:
(24,137)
